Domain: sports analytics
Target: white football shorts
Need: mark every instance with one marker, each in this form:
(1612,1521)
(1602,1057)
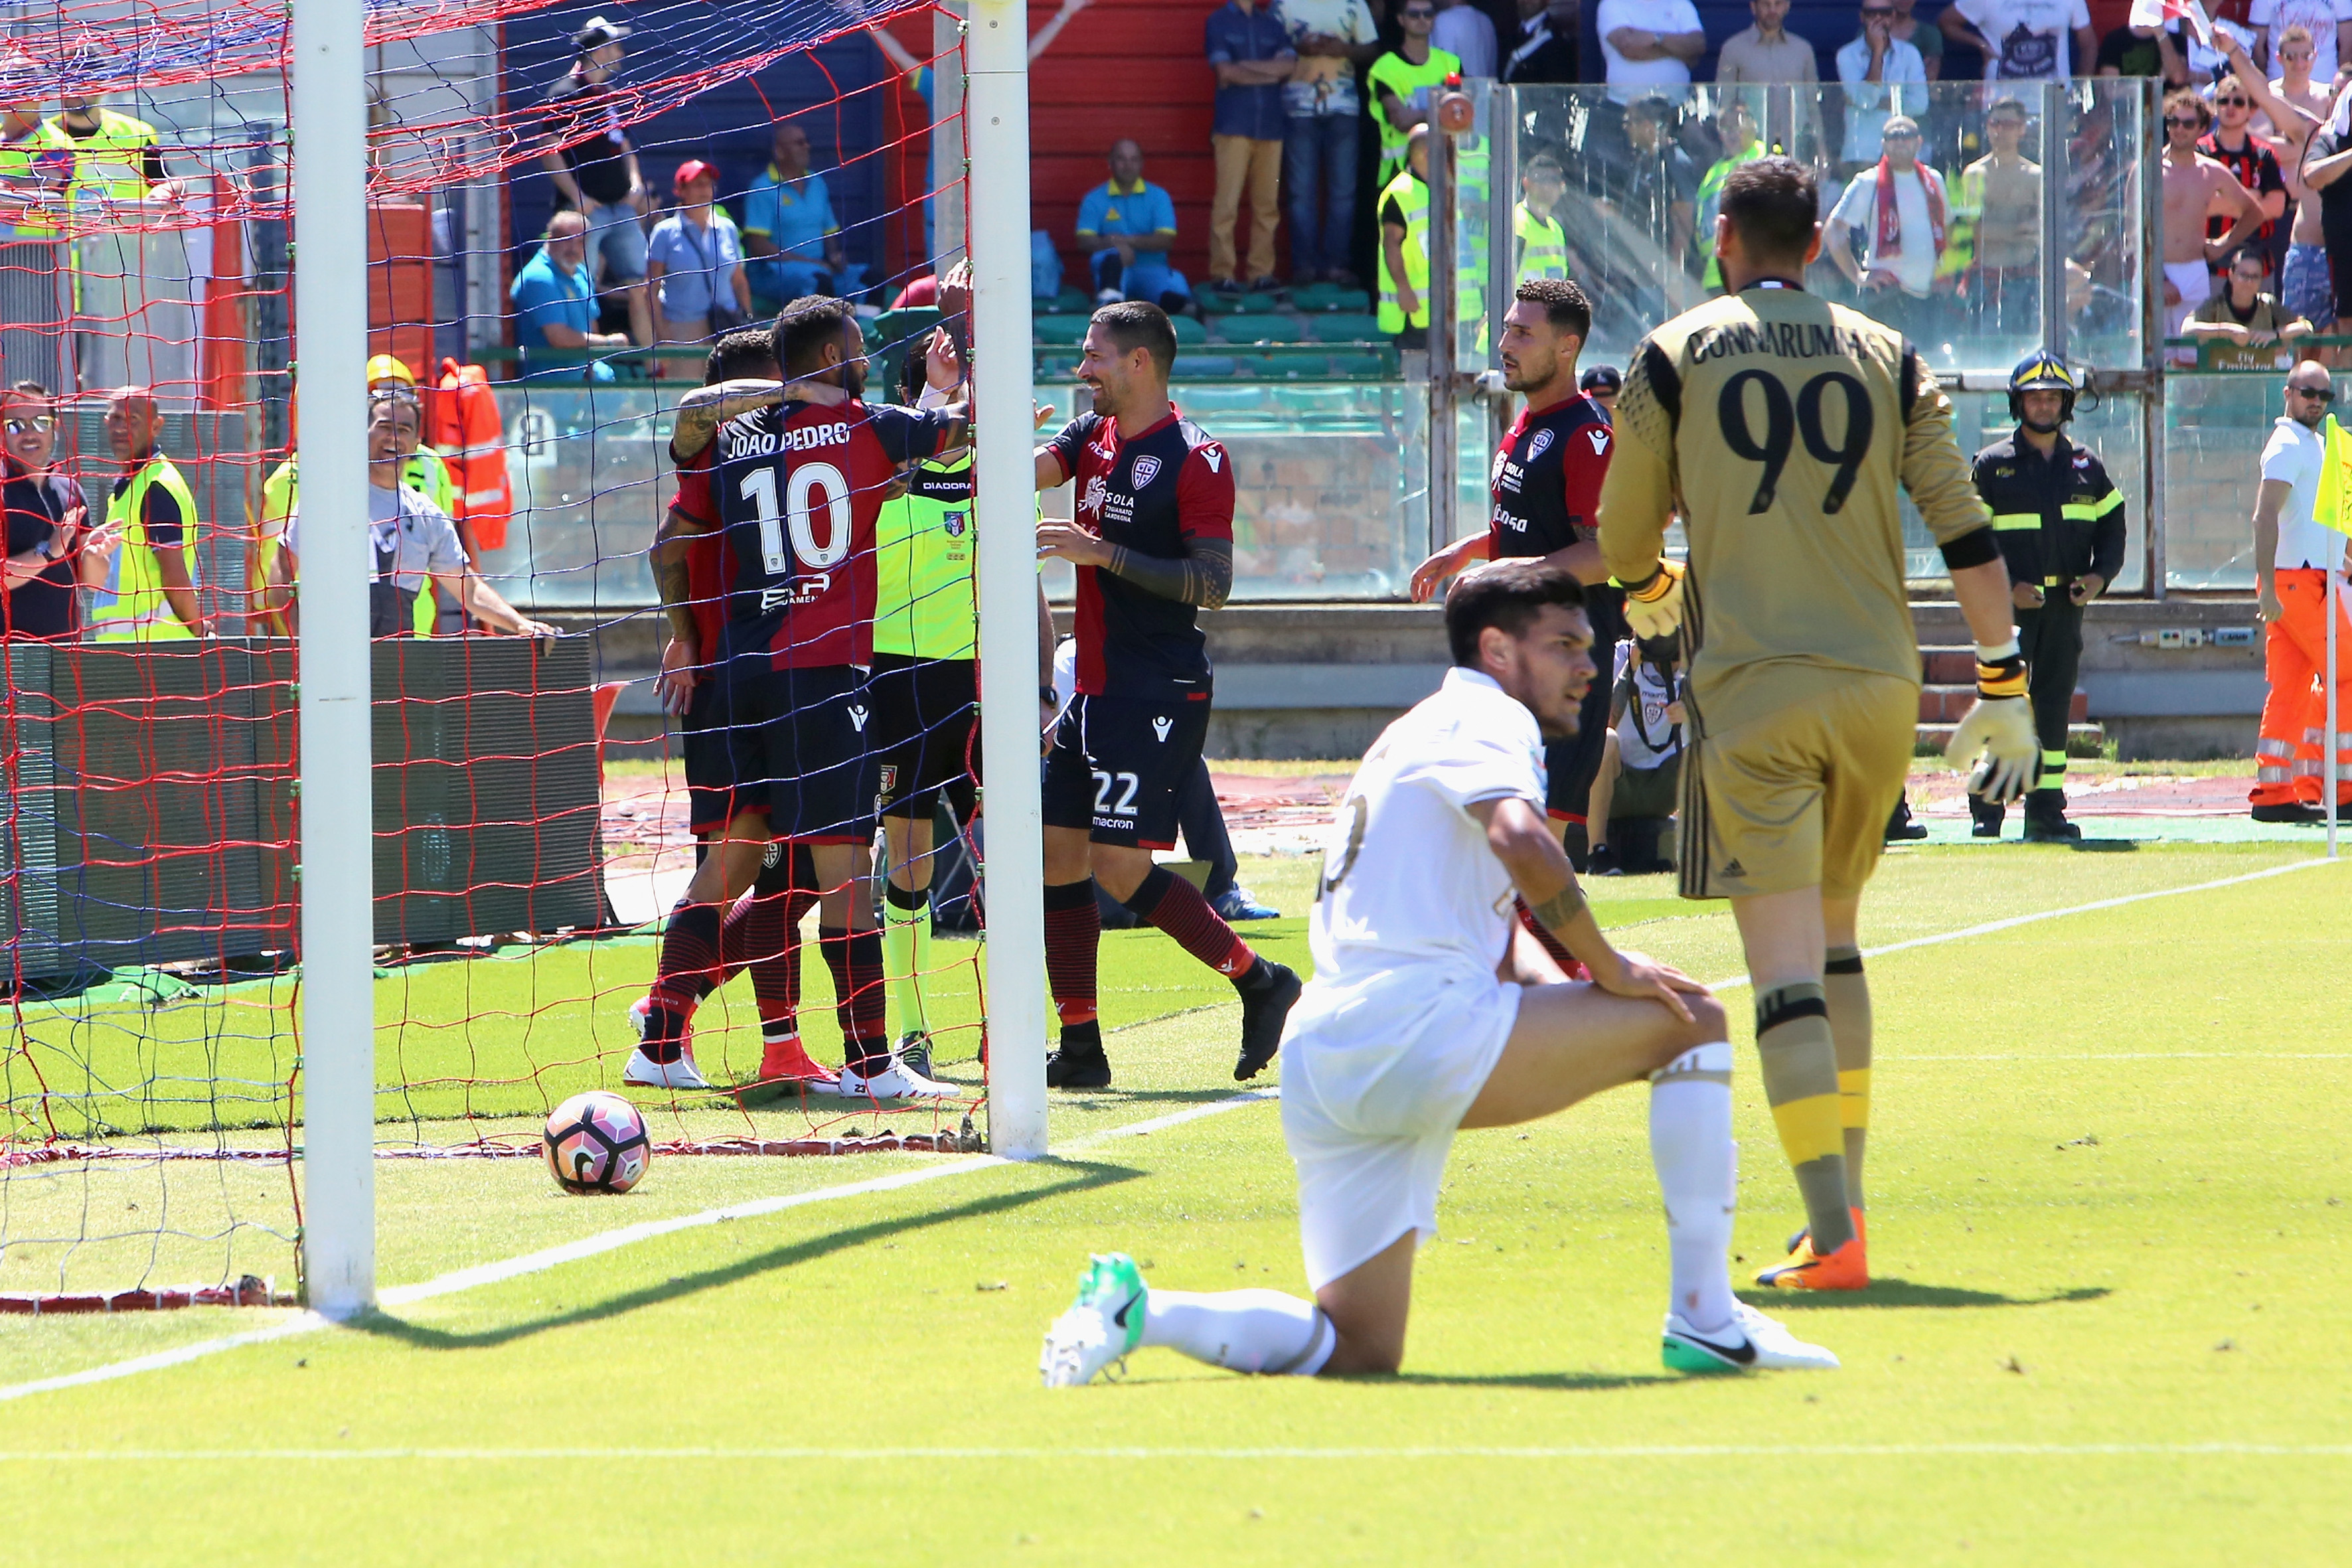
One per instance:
(1376,1077)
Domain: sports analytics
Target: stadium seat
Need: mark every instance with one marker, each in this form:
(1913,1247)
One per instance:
(1071,302)
(1057,330)
(1212,304)
(1192,367)
(1348,328)
(1363,367)
(1262,328)
(1313,296)
(1201,402)
(1188,329)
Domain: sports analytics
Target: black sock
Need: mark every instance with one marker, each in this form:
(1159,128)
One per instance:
(1083,1039)
(905,897)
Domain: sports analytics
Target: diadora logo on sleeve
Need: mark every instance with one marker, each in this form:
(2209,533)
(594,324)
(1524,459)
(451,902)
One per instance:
(1147,469)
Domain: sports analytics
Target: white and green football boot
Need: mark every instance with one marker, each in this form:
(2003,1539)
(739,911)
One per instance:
(1749,1342)
(1102,1325)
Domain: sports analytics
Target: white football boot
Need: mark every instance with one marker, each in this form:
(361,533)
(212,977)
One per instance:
(1749,1342)
(646,1073)
(895,1081)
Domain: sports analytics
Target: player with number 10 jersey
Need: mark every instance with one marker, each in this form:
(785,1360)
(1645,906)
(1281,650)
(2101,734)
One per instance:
(798,487)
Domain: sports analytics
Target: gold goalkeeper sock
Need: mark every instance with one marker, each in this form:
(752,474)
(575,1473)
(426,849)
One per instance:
(1798,1059)
(1848,995)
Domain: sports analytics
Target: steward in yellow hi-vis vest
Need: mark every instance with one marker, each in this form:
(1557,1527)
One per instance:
(150,592)
(2060,522)
(116,157)
(1404,245)
(153,508)
(36,163)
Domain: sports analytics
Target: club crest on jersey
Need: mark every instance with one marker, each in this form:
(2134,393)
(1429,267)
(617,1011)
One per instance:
(1161,727)
(1147,469)
(1538,447)
(954,522)
(858,715)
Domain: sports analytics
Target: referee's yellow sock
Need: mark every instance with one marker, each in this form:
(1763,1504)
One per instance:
(905,955)
(1847,990)
(1799,1058)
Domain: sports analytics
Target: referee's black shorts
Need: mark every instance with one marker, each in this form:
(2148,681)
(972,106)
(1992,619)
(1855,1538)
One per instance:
(924,733)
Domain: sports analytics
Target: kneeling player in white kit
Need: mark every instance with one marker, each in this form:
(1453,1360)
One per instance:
(1412,1028)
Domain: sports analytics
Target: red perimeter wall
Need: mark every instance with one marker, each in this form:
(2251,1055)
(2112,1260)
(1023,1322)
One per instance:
(1121,67)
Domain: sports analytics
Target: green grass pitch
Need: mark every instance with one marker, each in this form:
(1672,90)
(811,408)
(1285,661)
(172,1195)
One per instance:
(2111,1213)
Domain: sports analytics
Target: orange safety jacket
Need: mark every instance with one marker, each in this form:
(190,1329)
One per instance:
(468,430)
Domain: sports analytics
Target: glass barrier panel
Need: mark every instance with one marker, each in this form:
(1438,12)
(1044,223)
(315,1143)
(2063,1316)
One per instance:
(591,471)
(1623,198)
(1331,495)
(2214,427)
(2107,123)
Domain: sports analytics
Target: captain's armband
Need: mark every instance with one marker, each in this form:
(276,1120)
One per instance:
(1974,548)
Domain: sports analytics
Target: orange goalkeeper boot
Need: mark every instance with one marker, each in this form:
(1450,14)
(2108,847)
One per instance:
(1847,1268)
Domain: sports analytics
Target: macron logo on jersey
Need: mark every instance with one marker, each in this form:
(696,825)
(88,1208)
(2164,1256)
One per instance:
(1599,435)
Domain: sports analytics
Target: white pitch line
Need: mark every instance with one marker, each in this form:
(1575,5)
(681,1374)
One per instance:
(590,1246)
(300,1323)
(1427,1451)
(2013,922)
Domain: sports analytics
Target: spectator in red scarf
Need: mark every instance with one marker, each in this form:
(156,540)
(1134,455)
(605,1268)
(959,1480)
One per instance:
(1900,211)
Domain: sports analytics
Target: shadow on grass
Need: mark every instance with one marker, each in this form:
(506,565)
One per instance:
(1889,1292)
(1082,1178)
(1117,1096)
(1565,1381)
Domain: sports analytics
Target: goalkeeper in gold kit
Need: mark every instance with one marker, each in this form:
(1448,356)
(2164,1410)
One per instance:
(1780,426)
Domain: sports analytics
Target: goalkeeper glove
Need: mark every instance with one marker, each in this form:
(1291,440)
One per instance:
(1654,607)
(1999,726)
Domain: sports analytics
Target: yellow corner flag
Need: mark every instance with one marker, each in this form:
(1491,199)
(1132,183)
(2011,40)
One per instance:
(2333,506)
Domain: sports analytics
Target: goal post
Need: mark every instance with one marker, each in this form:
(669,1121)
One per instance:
(995,197)
(337,1018)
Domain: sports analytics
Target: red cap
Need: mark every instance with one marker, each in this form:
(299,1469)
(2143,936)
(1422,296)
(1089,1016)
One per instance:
(693,169)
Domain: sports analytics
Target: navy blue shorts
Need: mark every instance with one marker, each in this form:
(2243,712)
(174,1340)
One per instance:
(1119,764)
(797,746)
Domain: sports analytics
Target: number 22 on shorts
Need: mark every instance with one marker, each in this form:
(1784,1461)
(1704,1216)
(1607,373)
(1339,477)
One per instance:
(1127,784)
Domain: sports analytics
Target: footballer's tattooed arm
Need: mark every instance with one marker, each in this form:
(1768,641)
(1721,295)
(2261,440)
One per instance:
(701,412)
(1521,839)
(1204,575)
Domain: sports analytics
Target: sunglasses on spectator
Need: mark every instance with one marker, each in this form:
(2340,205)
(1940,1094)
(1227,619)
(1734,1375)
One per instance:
(2316,393)
(2232,103)
(2191,121)
(1900,136)
(40,422)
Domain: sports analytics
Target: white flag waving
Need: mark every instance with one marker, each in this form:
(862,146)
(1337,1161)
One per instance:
(2164,13)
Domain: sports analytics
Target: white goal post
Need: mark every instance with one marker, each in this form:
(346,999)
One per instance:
(328,125)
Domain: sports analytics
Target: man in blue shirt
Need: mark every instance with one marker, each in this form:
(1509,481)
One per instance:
(789,229)
(555,301)
(1249,50)
(1128,225)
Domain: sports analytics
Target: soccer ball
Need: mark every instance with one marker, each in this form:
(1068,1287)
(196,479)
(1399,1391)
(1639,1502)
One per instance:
(597,1142)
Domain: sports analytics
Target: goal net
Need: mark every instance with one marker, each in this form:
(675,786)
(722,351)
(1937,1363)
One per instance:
(530,815)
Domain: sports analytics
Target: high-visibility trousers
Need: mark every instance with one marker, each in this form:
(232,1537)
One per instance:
(2289,758)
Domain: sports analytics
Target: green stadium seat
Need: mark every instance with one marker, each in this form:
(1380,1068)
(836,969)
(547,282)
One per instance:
(1188,330)
(1255,304)
(1348,328)
(1192,367)
(1313,296)
(1057,330)
(1072,302)
(1210,398)
(1262,328)
(1212,304)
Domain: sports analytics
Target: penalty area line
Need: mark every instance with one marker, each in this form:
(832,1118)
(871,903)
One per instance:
(1254,1454)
